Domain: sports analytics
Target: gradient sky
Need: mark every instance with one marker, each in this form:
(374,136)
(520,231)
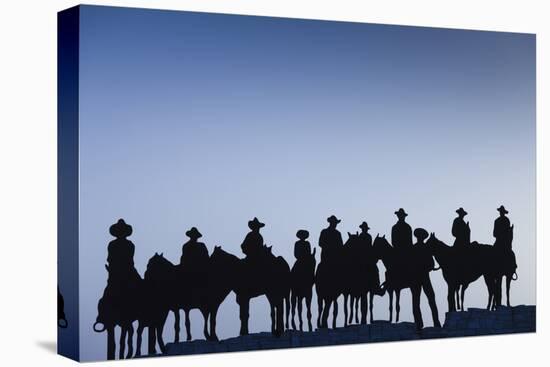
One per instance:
(206,120)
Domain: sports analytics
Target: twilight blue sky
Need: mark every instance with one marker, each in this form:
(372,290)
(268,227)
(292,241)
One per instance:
(190,119)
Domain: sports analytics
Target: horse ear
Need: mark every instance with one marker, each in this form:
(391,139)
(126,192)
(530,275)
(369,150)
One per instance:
(357,233)
(349,234)
(377,235)
(384,236)
(106,267)
(156,254)
(162,254)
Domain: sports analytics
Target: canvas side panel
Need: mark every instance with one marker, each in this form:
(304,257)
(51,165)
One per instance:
(67,186)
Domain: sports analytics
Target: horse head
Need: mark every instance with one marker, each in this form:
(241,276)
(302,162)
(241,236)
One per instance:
(156,265)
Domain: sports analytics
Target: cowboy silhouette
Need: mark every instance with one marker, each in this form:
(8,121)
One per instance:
(194,254)
(424,261)
(460,229)
(330,239)
(366,251)
(120,257)
(401,232)
(253,242)
(501,230)
(302,247)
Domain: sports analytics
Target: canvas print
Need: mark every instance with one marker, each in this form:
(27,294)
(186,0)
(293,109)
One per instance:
(234,183)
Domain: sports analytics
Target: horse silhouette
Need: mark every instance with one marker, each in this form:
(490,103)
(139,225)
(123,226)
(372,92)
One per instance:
(360,272)
(264,275)
(61,319)
(157,298)
(329,279)
(403,270)
(463,265)
(302,278)
(119,306)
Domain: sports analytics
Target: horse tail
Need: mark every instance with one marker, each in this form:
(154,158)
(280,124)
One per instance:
(515,275)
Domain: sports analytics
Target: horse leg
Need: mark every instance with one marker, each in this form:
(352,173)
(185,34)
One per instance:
(176,325)
(187,325)
(213,315)
(508,281)
(457,297)
(139,339)
(122,342)
(462,292)
(498,291)
(111,346)
(204,312)
(308,306)
(300,314)
(326,310)
(371,306)
(130,341)
(345,310)
(490,293)
(390,292)
(152,336)
(451,298)
(334,312)
(279,310)
(243,314)
(429,291)
(293,300)
(397,304)
(364,308)
(160,329)
(416,307)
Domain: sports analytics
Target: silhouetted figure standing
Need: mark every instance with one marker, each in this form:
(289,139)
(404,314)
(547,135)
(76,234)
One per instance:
(501,230)
(253,242)
(425,264)
(401,232)
(194,254)
(330,240)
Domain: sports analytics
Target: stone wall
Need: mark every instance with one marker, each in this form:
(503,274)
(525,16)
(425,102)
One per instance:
(520,319)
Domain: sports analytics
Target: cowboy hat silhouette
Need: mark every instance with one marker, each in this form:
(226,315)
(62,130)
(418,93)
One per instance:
(120,229)
(364,226)
(333,219)
(302,234)
(461,211)
(255,224)
(400,213)
(502,209)
(193,233)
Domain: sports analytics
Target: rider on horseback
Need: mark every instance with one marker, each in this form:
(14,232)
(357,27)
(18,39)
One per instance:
(194,254)
(330,240)
(502,230)
(120,256)
(460,229)
(253,242)
(302,247)
(401,232)
(367,252)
